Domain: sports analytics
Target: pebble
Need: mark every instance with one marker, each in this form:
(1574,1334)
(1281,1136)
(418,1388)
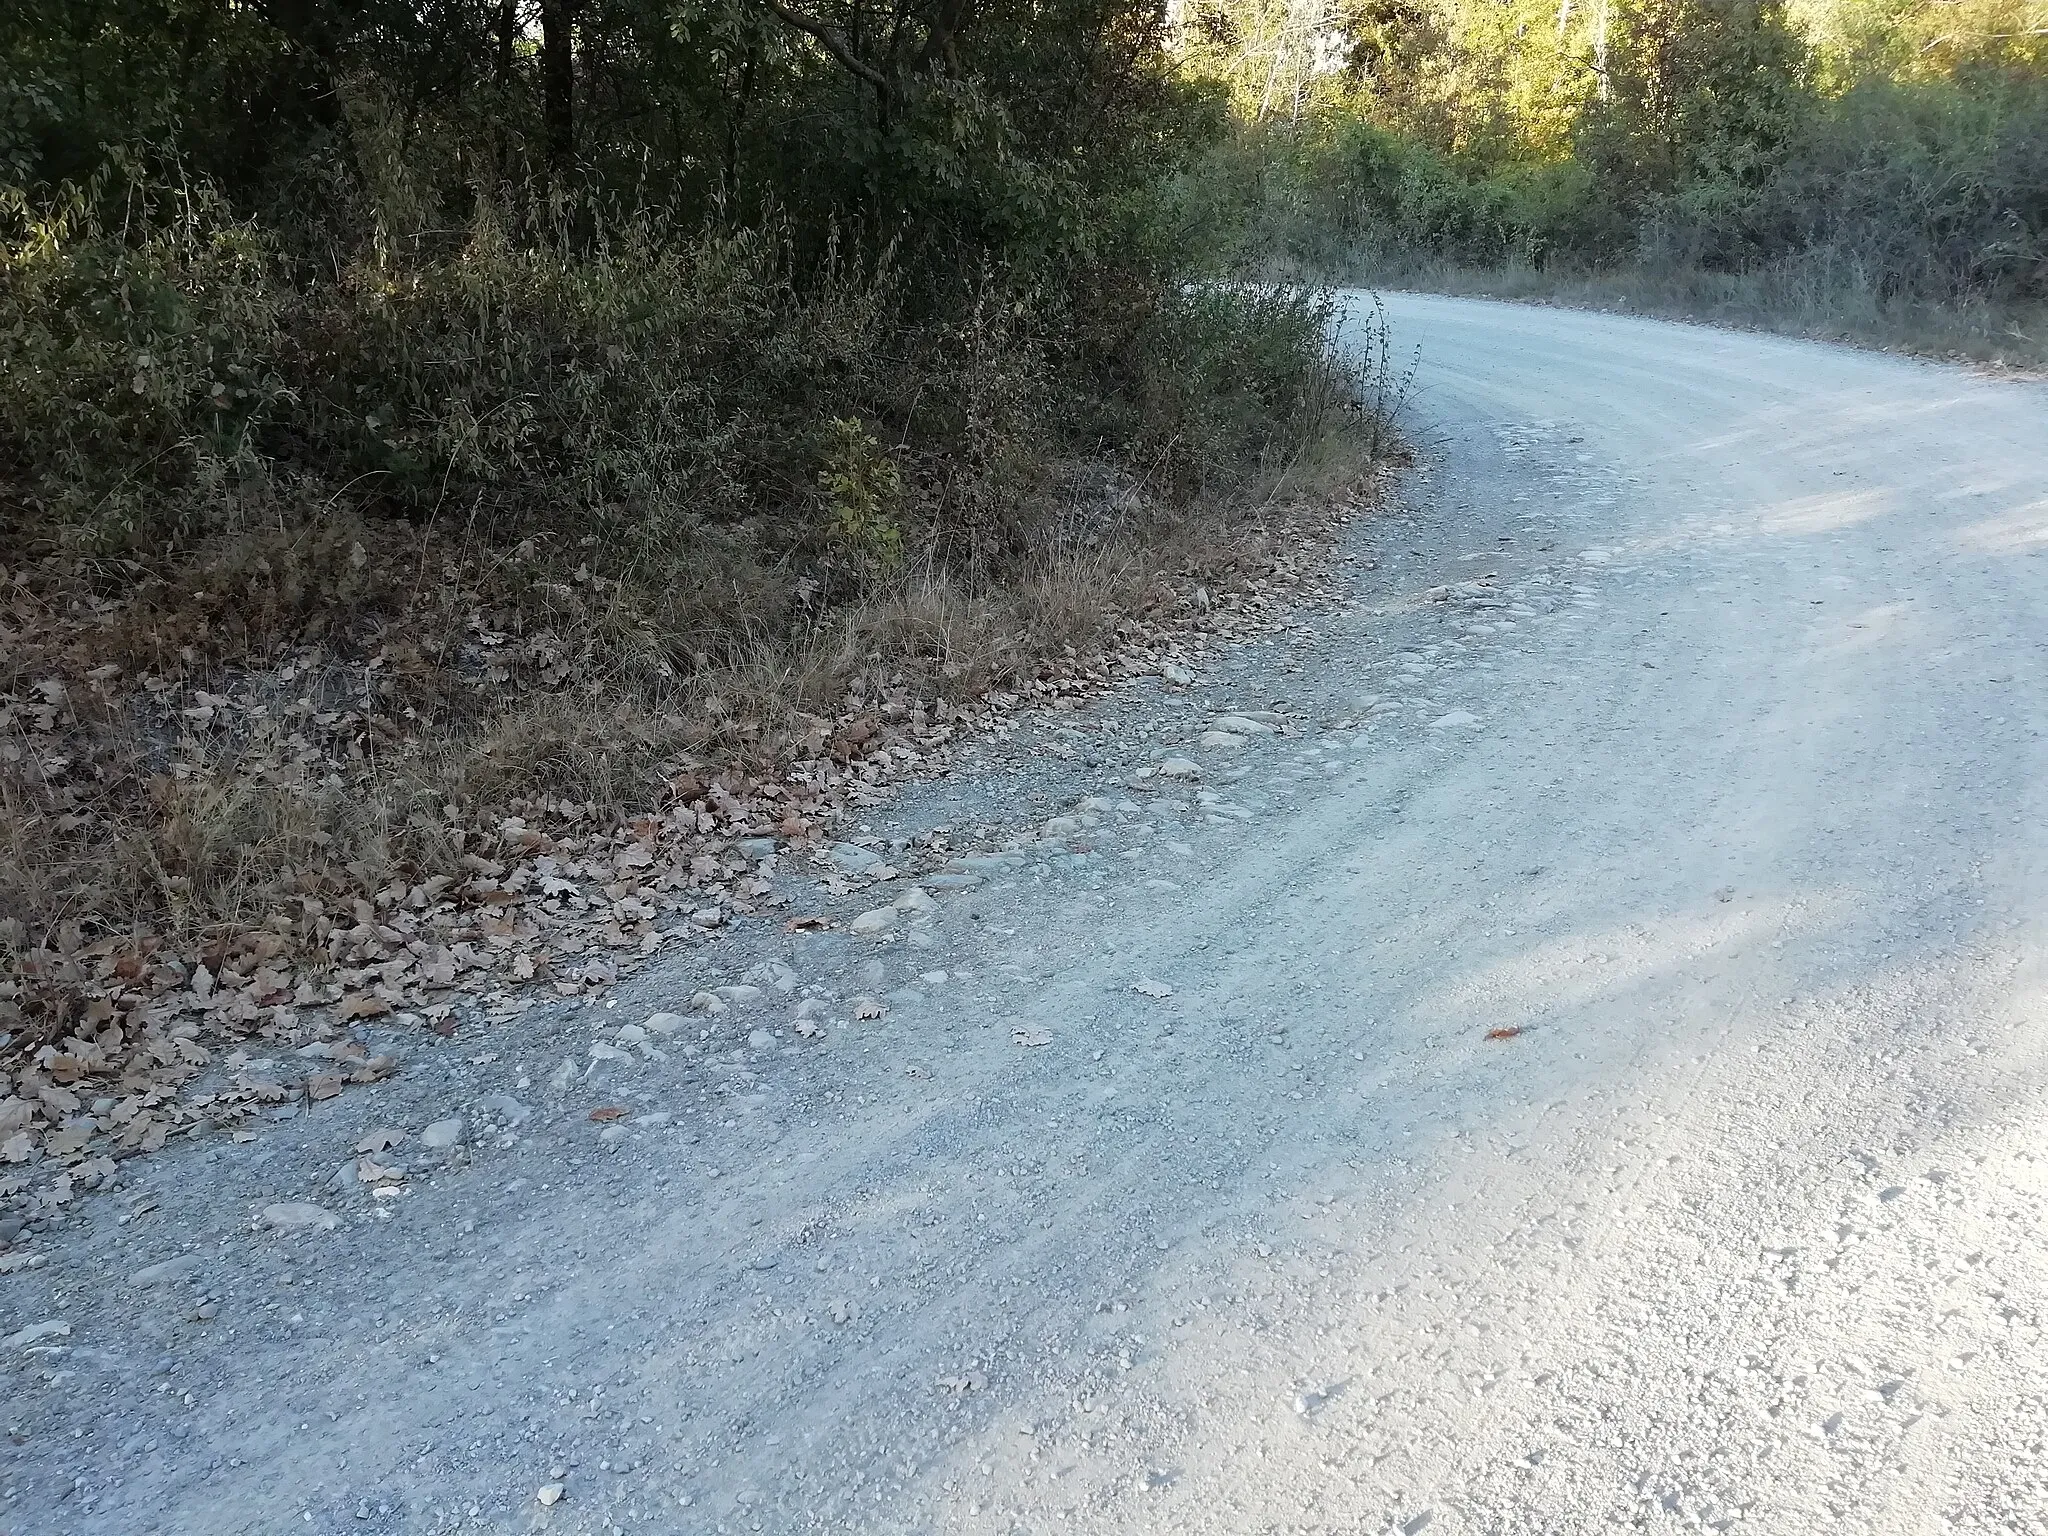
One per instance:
(664,1023)
(874,923)
(915,900)
(1221,739)
(760,1039)
(1174,672)
(1180,768)
(442,1135)
(756,848)
(1456,717)
(550,1493)
(1241,725)
(740,995)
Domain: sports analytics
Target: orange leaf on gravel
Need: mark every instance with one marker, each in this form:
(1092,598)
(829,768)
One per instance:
(607,1112)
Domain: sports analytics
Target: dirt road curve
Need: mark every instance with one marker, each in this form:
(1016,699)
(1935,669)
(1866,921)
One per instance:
(1690,724)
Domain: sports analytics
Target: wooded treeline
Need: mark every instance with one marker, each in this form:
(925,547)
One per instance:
(1864,151)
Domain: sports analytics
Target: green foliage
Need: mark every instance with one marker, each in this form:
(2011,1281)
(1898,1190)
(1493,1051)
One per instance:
(863,494)
(1339,193)
(1224,361)
(138,360)
(626,283)
(1933,190)
(1895,149)
(1698,93)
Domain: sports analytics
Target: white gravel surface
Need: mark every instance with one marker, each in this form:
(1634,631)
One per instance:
(1689,723)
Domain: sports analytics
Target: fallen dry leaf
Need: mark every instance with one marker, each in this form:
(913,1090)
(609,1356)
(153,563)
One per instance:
(375,1070)
(380,1140)
(1023,1035)
(1504,1034)
(608,1112)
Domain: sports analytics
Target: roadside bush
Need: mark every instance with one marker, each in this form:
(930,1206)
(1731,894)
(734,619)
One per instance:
(1931,191)
(142,325)
(543,504)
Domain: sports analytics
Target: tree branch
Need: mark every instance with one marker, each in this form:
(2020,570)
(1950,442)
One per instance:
(832,41)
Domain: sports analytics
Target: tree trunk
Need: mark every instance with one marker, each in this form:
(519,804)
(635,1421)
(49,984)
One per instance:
(558,82)
(508,36)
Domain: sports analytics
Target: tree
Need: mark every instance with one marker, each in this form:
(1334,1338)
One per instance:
(1696,91)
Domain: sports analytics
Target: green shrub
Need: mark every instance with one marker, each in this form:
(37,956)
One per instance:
(1935,191)
(140,331)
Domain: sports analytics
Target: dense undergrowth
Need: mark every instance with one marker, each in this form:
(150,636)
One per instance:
(538,516)
(1831,171)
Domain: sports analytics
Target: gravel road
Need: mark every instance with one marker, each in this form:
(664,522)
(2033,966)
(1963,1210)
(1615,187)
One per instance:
(1571,1055)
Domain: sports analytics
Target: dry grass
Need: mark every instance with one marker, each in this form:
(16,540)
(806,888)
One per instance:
(322,706)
